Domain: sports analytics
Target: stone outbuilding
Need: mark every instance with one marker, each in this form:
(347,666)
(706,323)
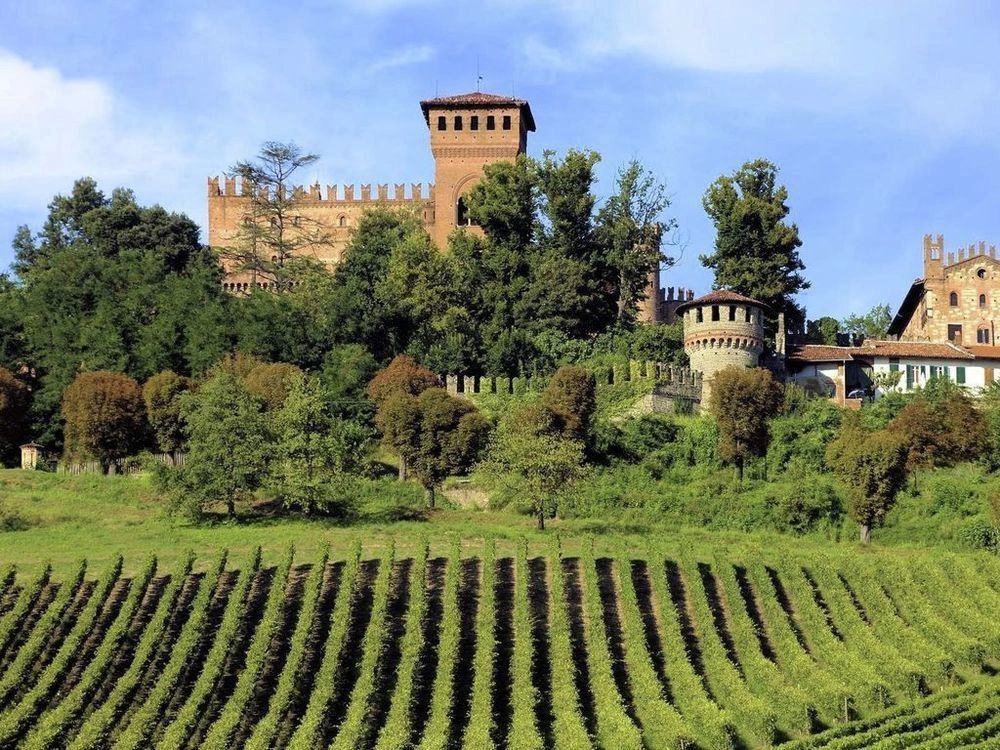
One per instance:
(722,329)
(32,454)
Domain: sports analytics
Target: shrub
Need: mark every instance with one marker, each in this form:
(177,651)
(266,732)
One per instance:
(105,417)
(12,520)
(979,533)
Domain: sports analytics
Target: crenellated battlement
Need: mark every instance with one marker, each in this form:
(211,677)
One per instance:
(972,251)
(230,187)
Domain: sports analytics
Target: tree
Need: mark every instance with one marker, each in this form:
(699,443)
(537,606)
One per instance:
(402,375)
(571,398)
(276,235)
(162,396)
(347,369)
(105,417)
(873,466)
(742,401)
(873,324)
(823,331)
(271,382)
(632,232)
(109,284)
(941,426)
(756,250)
(546,463)
(15,399)
(228,444)
(437,434)
(312,446)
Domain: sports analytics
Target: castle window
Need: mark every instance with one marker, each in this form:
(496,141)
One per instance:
(342,221)
(953,299)
(715,312)
(732,312)
(506,122)
(442,122)
(983,336)
(955,333)
(700,317)
(474,122)
(458,122)
(491,122)
(982,300)
(462,217)
(981,273)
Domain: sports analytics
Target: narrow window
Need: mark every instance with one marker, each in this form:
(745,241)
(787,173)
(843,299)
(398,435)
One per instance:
(343,221)
(491,122)
(982,300)
(474,122)
(715,312)
(462,217)
(732,312)
(700,318)
(909,377)
(953,299)
(506,122)
(960,375)
(458,122)
(983,336)
(442,122)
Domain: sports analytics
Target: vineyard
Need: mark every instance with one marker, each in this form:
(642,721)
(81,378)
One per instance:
(484,645)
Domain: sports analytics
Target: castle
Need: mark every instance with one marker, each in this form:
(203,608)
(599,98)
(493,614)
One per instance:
(467,132)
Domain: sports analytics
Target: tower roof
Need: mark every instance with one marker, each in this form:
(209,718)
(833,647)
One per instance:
(477,99)
(719,297)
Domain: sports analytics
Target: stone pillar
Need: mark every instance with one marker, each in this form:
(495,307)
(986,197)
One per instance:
(451,384)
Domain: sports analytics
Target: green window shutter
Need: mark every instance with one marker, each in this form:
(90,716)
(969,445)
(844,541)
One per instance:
(909,377)
(894,367)
(960,375)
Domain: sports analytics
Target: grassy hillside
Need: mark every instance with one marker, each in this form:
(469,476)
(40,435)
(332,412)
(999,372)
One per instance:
(493,643)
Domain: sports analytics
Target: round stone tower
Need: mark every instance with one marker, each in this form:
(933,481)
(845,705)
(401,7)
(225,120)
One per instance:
(722,329)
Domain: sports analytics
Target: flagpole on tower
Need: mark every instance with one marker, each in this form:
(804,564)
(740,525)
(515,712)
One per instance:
(479,77)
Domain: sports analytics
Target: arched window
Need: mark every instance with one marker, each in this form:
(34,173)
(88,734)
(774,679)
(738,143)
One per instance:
(982,300)
(983,336)
(342,221)
(953,299)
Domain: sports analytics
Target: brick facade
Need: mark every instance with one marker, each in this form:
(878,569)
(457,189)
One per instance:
(958,300)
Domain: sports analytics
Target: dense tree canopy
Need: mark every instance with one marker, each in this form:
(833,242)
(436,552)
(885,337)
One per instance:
(742,401)
(105,417)
(756,250)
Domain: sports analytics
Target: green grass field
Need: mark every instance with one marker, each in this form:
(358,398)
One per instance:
(470,629)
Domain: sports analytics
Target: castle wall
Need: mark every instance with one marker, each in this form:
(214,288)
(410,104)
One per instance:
(970,274)
(336,209)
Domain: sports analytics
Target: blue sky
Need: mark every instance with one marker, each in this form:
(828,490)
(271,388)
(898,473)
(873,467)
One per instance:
(883,116)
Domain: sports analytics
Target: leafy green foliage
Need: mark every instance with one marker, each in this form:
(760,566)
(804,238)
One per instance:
(742,401)
(756,251)
(873,467)
(105,417)
(15,399)
(228,453)
(570,397)
(873,324)
(161,394)
(271,383)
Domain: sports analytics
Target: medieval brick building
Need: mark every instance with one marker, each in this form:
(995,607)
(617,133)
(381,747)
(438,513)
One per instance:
(467,132)
(957,300)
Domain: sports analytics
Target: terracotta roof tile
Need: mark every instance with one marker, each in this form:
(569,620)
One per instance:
(984,352)
(480,99)
(924,349)
(721,296)
(821,353)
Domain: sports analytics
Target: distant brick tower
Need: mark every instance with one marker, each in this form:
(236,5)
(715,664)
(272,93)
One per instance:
(468,132)
(722,329)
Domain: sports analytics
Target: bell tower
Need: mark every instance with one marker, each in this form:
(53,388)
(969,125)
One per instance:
(468,132)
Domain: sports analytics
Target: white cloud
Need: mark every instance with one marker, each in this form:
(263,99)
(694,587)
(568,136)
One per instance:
(54,129)
(411,55)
